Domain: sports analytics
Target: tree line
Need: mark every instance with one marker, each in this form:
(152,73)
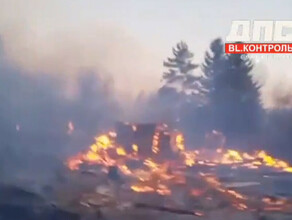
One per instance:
(218,94)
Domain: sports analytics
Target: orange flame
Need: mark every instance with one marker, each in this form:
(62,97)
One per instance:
(157,176)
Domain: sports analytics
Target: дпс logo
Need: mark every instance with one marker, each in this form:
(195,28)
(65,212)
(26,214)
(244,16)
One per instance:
(259,37)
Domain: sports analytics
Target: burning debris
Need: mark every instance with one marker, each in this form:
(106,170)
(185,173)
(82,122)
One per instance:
(125,175)
(159,166)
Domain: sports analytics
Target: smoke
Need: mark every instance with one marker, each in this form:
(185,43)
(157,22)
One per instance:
(34,114)
(101,47)
(277,93)
(53,71)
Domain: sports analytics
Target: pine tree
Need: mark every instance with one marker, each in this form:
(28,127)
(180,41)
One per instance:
(180,73)
(233,95)
(238,72)
(213,68)
(243,94)
(228,73)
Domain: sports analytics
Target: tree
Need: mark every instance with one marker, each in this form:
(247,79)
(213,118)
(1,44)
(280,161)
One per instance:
(180,72)
(213,68)
(233,95)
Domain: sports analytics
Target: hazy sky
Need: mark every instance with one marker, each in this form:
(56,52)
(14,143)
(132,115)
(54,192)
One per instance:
(127,39)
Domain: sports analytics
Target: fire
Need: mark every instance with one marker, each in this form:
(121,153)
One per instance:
(138,188)
(238,200)
(189,158)
(92,156)
(135,148)
(96,154)
(74,162)
(155,142)
(125,170)
(159,188)
(236,158)
(273,162)
(151,164)
(156,175)
(103,142)
(255,160)
(231,156)
(153,179)
(121,151)
(179,140)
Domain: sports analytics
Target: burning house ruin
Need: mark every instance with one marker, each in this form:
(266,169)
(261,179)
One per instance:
(147,171)
(151,161)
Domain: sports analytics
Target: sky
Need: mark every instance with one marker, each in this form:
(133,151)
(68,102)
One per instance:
(127,41)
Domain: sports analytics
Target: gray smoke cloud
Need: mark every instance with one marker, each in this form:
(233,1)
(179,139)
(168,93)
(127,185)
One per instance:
(65,51)
(54,71)
(35,112)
